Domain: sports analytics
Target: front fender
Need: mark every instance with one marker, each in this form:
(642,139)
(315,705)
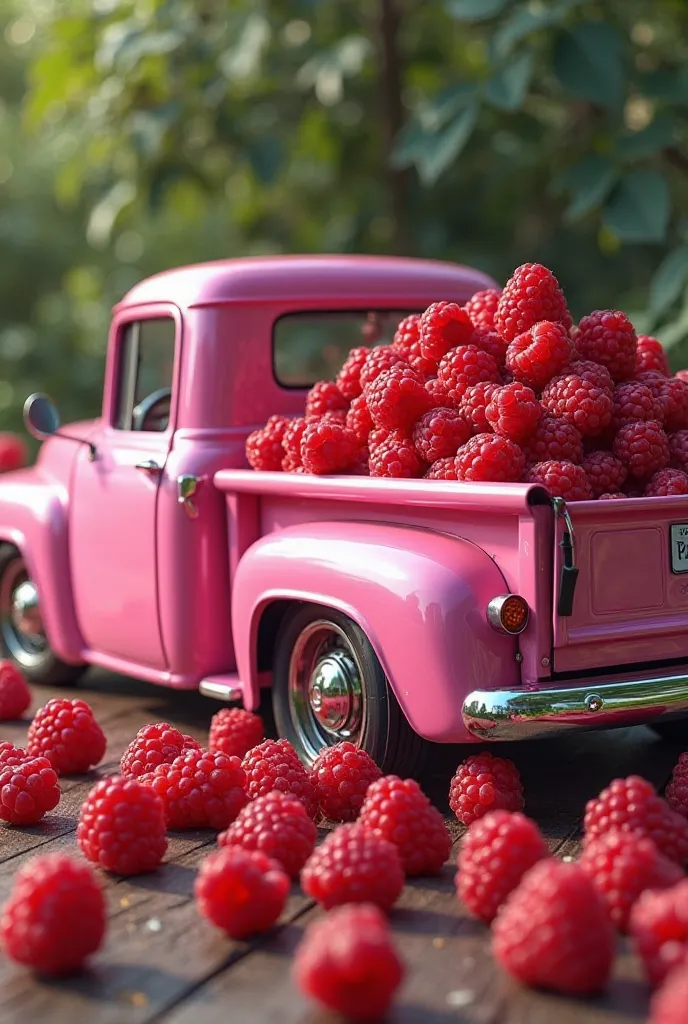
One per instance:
(420,597)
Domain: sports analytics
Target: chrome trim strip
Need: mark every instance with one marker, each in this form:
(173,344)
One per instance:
(526,714)
(219,691)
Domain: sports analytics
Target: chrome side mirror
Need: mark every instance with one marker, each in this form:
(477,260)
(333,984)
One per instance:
(42,420)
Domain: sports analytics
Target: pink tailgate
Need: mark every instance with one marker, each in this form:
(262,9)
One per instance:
(631,599)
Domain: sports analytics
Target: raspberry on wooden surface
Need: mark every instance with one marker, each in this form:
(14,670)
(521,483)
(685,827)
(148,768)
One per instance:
(274,764)
(397,458)
(235,731)
(241,891)
(9,754)
(659,930)
(489,457)
(531,294)
(622,865)
(358,419)
(494,855)
(341,775)
(464,367)
(328,447)
(678,450)
(443,326)
(514,411)
(67,733)
(349,377)
(608,337)
(324,397)
(561,479)
(155,744)
(676,793)
(540,353)
(474,403)
(643,447)
(442,469)
(54,918)
(398,810)
(264,449)
(633,805)
(485,783)
(553,439)
(379,360)
(650,355)
(669,1002)
(28,788)
(666,482)
(397,398)
(482,307)
(122,826)
(199,789)
(276,825)
(579,401)
(554,931)
(347,962)
(353,865)
(604,471)
(439,434)
(15,695)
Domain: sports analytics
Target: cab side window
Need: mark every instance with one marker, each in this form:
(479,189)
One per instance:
(145,375)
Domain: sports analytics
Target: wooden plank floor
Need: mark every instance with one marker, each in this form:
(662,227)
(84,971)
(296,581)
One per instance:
(162,962)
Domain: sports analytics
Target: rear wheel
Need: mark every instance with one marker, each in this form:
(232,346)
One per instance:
(676,730)
(21,625)
(329,686)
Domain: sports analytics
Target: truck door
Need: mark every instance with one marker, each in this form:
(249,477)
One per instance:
(114,501)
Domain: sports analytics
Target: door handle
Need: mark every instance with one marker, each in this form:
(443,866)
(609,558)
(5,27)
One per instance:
(149,466)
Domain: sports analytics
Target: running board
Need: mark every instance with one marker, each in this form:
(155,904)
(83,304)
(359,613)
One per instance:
(227,687)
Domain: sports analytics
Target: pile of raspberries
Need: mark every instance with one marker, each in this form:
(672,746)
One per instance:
(505,389)
(554,920)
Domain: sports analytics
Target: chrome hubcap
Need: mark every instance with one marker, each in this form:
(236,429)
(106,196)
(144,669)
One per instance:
(326,694)
(25,613)
(21,621)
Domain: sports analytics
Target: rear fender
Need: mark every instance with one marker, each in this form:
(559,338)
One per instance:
(419,596)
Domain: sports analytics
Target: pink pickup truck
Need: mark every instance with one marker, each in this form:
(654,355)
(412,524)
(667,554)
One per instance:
(387,612)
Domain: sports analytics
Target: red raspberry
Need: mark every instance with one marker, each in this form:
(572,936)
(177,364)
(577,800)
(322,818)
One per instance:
(463,367)
(349,377)
(553,439)
(55,916)
(359,420)
(668,1005)
(235,731)
(397,398)
(495,853)
(28,788)
(379,361)
(554,931)
(276,825)
(490,341)
(398,810)
(13,452)
(607,336)
(539,354)
(485,783)
(676,794)
(632,805)
(439,433)
(291,444)
(650,355)
(678,450)
(15,695)
(438,393)
(407,343)
(513,411)
(643,448)
(622,865)
(659,930)
(199,789)
(242,892)
(604,471)
(328,447)
(474,402)
(378,437)
(580,402)
(9,754)
(341,775)
(442,469)
(354,865)
(122,827)
(347,962)
(66,732)
(672,395)
(490,457)
(155,744)
(531,294)
(264,449)
(681,375)
(594,372)
(667,481)
(396,458)
(633,402)
(275,764)
(610,495)
(483,306)
(324,397)
(561,479)
(443,326)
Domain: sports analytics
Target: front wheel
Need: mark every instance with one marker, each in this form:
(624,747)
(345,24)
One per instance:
(21,625)
(329,686)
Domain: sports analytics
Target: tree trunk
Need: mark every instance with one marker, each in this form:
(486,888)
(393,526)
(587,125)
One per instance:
(392,118)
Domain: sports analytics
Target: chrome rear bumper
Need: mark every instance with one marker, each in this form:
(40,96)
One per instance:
(589,704)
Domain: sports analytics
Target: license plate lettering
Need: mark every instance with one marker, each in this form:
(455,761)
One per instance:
(679,547)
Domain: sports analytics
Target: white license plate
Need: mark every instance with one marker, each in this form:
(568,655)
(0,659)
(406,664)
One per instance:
(679,547)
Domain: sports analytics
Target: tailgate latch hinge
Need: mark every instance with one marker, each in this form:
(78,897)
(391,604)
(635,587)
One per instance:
(569,570)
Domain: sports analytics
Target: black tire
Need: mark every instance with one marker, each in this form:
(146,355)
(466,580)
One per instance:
(675,730)
(383,733)
(34,657)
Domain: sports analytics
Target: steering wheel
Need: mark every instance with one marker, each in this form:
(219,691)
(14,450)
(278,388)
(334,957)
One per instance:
(145,410)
